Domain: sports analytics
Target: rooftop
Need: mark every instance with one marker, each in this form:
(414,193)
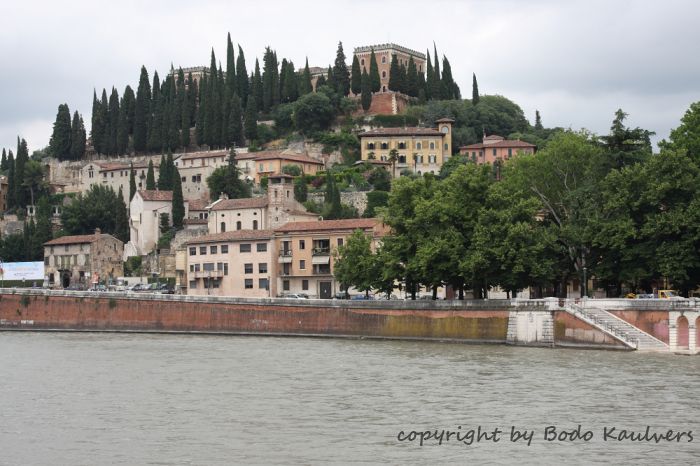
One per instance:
(112,166)
(505,143)
(204,154)
(155,195)
(197,204)
(389,46)
(406,131)
(236,235)
(245,203)
(78,239)
(328,225)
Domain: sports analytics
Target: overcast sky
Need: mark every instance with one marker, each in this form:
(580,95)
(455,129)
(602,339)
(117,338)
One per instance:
(574,61)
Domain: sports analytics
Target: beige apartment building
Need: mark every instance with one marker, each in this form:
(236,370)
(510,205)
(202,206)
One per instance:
(256,165)
(419,150)
(496,149)
(383,54)
(233,263)
(306,253)
(195,168)
(83,260)
(115,175)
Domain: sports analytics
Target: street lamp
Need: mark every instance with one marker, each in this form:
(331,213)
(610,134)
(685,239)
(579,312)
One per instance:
(585,283)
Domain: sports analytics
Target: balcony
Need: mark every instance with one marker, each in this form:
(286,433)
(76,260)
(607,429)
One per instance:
(321,251)
(285,252)
(209,274)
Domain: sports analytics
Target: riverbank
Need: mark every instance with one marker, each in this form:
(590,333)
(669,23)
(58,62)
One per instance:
(548,322)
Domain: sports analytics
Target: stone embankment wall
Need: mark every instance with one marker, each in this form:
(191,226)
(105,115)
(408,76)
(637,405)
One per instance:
(530,323)
(357,199)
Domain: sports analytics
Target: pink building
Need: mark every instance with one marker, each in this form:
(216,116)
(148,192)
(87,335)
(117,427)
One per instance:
(496,148)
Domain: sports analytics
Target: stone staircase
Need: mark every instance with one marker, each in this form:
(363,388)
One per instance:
(617,328)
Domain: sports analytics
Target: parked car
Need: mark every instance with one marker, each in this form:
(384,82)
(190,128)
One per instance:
(342,295)
(136,288)
(100,288)
(296,296)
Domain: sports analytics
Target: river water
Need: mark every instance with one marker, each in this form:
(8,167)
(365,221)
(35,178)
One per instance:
(135,399)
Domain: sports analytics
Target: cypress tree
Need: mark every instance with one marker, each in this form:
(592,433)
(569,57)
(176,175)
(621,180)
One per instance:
(366,90)
(174,113)
(291,84)
(192,98)
(78,136)
(113,118)
(105,131)
(3,161)
(242,77)
(268,80)
(11,199)
(538,121)
(121,222)
(141,112)
(403,79)
(178,201)
(201,111)
(123,128)
(356,76)
(412,78)
(330,80)
(283,79)
(475,90)
(251,120)
(275,80)
(97,124)
(155,128)
(164,183)
(374,81)
(235,123)
(60,142)
(430,77)
(437,78)
(20,162)
(217,108)
(341,75)
(128,106)
(305,85)
(132,182)
(183,97)
(231,83)
(449,87)
(321,81)
(43,223)
(394,75)
(150,177)
(256,90)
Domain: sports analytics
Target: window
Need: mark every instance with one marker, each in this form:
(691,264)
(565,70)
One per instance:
(245,247)
(238,225)
(305,285)
(402,158)
(432,158)
(362,62)
(419,145)
(262,168)
(370,145)
(510,152)
(447,146)
(222,267)
(432,146)
(385,145)
(191,267)
(302,265)
(262,267)
(247,268)
(193,251)
(46,260)
(261,247)
(248,283)
(213,249)
(402,145)
(208,266)
(223,227)
(340,242)
(255,223)
(196,267)
(202,250)
(494,151)
(285,285)
(302,244)
(193,284)
(384,59)
(224,249)
(262,283)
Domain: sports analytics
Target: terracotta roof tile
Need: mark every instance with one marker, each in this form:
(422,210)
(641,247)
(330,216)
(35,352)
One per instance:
(204,154)
(411,131)
(246,203)
(323,225)
(77,239)
(197,204)
(505,143)
(155,195)
(236,235)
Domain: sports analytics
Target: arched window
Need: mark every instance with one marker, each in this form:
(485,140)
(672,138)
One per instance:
(238,225)
(384,59)
(223,227)
(362,62)
(383,74)
(255,224)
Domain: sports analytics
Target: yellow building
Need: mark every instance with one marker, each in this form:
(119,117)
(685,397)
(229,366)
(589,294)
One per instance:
(419,150)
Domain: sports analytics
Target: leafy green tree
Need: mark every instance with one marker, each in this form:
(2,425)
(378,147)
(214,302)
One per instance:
(356,76)
(374,80)
(687,136)
(354,264)
(380,179)
(227,180)
(34,179)
(60,142)
(301,190)
(375,200)
(178,200)
(626,146)
(365,88)
(291,170)
(43,232)
(164,224)
(150,177)
(314,112)
(96,208)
